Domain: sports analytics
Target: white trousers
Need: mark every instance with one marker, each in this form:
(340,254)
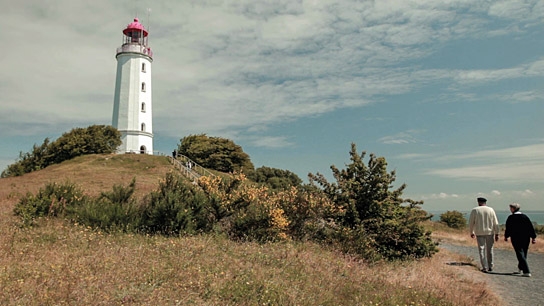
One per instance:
(485,248)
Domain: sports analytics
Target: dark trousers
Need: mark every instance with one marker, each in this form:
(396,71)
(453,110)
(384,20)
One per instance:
(521,248)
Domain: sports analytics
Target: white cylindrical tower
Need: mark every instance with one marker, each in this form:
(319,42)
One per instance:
(132,111)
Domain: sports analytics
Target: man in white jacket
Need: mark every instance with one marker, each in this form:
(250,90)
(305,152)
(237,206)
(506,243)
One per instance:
(483,224)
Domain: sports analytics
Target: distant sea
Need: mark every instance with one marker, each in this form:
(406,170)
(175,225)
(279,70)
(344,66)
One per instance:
(536,216)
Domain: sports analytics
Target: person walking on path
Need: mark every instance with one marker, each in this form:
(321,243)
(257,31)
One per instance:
(521,231)
(484,225)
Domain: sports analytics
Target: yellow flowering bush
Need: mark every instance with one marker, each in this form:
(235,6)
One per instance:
(245,211)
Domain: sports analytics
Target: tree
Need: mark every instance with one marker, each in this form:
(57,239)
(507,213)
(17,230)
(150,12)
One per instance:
(274,178)
(215,153)
(454,219)
(374,214)
(30,161)
(95,139)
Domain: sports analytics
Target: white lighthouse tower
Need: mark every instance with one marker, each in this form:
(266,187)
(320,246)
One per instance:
(132,111)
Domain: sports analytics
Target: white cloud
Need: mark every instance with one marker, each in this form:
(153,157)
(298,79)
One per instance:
(473,77)
(415,156)
(438,196)
(523,96)
(527,194)
(521,154)
(271,142)
(513,164)
(511,9)
(505,172)
(401,138)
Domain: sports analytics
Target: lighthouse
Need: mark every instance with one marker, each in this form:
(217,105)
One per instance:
(132,111)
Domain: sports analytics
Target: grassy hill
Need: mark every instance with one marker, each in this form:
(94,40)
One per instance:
(60,263)
(94,173)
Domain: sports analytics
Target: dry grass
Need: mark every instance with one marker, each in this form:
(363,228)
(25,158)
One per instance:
(94,173)
(57,263)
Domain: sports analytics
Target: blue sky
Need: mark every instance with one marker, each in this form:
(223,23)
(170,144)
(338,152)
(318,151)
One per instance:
(449,92)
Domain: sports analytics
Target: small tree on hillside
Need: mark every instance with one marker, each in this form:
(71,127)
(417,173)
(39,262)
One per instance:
(215,153)
(374,216)
(274,178)
(95,139)
(454,219)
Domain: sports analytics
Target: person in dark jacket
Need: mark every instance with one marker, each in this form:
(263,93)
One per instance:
(520,230)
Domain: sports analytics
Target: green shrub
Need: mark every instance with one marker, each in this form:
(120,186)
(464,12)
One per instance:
(215,153)
(114,210)
(401,237)
(175,208)
(52,200)
(362,193)
(454,219)
(275,179)
(253,223)
(354,241)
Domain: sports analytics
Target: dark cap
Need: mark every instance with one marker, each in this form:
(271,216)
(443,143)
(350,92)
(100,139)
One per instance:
(482,200)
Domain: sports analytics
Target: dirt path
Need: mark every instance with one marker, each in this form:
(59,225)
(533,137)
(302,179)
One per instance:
(513,289)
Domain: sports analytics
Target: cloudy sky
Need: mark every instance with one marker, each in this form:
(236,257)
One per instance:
(449,92)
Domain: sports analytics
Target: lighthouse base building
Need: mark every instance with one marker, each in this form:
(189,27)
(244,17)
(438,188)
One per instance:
(132,103)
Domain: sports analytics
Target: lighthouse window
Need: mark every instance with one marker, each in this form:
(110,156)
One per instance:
(143,127)
(143,86)
(143,107)
(143,67)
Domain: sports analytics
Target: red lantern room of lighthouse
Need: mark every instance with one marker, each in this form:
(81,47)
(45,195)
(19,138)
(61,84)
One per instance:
(135,39)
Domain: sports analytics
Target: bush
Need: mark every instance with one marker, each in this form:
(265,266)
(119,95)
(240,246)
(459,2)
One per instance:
(244,211)
(52,200)
(454,219)
(115,210)
(539,229)
(275,179)
(215,153)
(392,225)
(175,208)
(310,213)
(355,241)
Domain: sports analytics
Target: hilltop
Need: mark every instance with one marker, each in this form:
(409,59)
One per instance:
(94,173)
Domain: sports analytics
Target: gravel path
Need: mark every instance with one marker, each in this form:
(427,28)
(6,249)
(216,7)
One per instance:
(513,289)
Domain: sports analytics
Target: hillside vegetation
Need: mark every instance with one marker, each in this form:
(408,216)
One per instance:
(95,139)
(58,262)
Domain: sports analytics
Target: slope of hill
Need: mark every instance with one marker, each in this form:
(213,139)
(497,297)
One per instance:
(94,173)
